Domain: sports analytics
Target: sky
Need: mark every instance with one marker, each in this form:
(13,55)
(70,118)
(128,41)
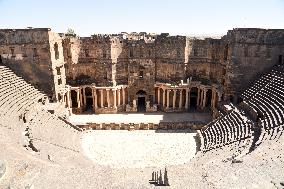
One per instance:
(177,17)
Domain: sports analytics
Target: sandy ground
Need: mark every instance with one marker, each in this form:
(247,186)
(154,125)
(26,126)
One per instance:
(139,149)
(139,118)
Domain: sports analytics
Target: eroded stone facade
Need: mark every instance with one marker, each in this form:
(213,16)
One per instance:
(140,71)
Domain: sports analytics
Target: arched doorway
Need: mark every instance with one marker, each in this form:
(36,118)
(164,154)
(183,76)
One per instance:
(89,98)
(193,99)
(141,104)
(1,60)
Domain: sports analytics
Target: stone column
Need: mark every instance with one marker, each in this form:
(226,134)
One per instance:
(78,98)
(174,99)
(158,95)
(164,98)
(81,97)
(186,99)
(123,96)
(180,98)
(118,99)
(213,99)
(102,98)
(114,97)
(95,98)
(204,98)
(188,104)
(108,102)
(68,99)
(219,96)
(84,93)
(168,98)
(198,97)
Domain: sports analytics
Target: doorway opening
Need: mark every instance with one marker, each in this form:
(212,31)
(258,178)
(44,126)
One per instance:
(74,99)
(89,98)
(141,104)
(193,99)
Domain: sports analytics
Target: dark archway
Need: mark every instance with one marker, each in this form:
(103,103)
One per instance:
(89,98)
(193,99)
(141,104)
(1,60)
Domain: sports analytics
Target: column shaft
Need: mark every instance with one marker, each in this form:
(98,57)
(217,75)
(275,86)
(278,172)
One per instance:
(78,98)
(123,96)
(200,98)
(180,98)
(158,95)
(197,101)
(102,98)
(114,97)
(68,99)
(186,99)
(95,98)
(118,99)
(164,98)
(204,98)
(168,98)
(174,99)
(81,97)
(84,94)
(108,102)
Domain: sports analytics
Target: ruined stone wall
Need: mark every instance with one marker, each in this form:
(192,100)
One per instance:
(170,58)
(27,53)
(253,51)
(89,60)
(205,60)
